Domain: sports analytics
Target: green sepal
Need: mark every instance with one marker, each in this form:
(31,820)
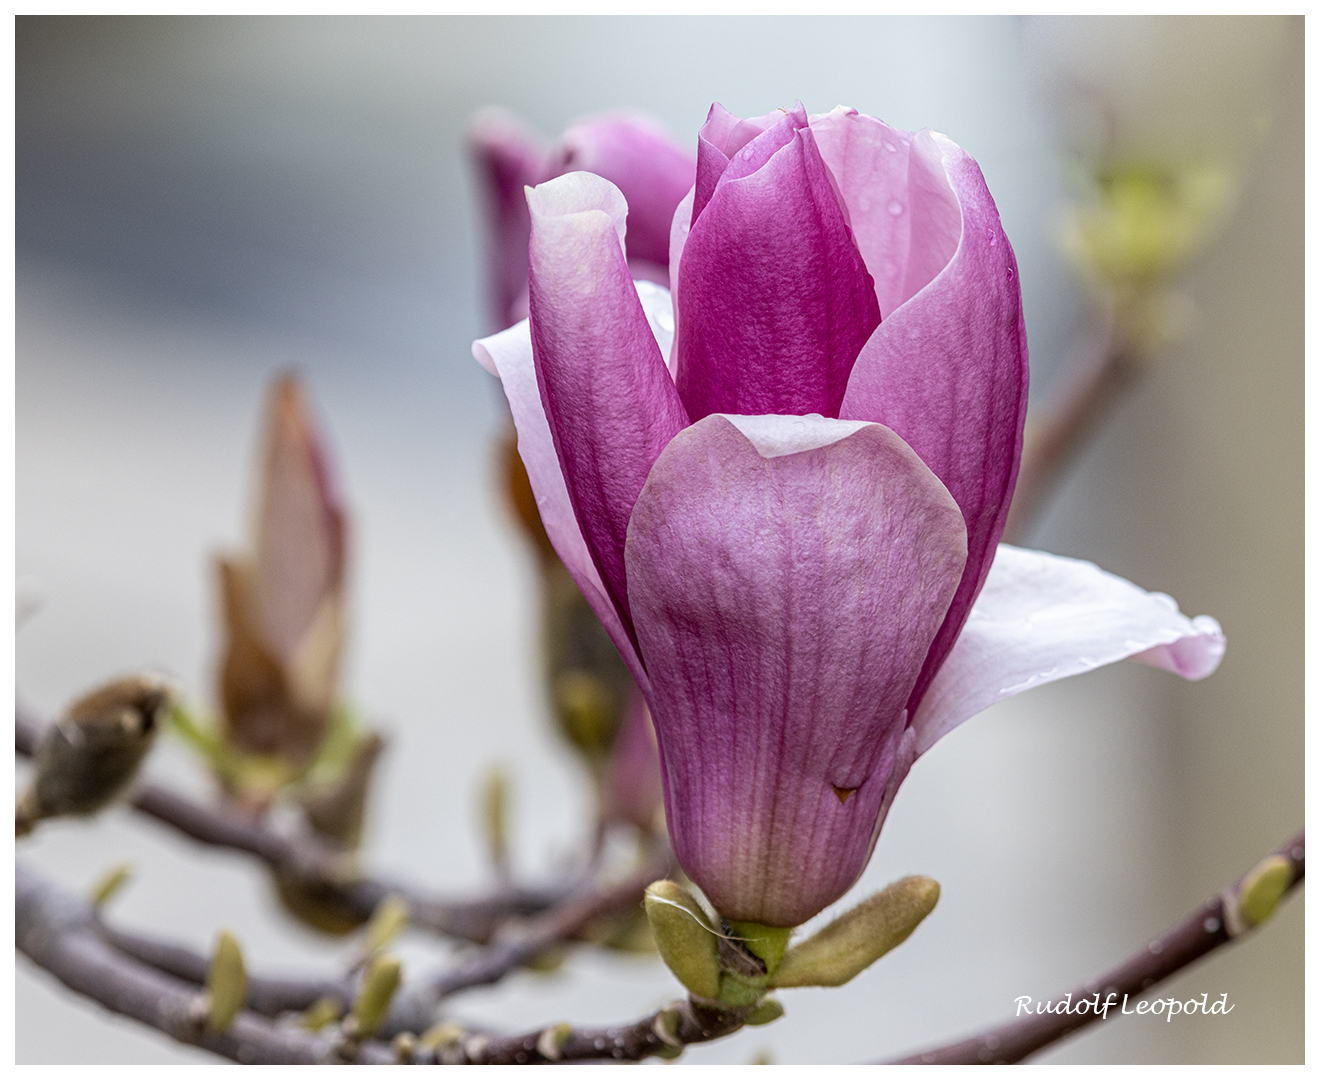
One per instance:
(686,940)
(856,940)
(767,943)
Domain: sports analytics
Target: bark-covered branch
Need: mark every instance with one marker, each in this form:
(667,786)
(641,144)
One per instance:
(1216,922)
(63,934)
(1099,382)
(328,872)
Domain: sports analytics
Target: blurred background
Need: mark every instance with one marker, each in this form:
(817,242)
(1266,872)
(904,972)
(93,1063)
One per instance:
(203,202)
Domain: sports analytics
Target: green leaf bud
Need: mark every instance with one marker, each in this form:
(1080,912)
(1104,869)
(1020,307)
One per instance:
(1262,889)
(379,982)
(857,939)
(226,982)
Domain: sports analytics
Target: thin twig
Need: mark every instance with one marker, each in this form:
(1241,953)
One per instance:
(322,868)
(57,931)
(416,1010)
(1214,923)
(62,933)
(1100,379)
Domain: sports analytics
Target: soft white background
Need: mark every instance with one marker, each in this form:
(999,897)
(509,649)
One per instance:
(203,202)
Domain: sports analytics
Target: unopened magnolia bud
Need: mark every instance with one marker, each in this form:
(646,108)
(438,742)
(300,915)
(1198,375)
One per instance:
(379,982)
(91,754)
(1262,889)
(857,939)
(687,942)
(110,883)
(226,982)
(387,922)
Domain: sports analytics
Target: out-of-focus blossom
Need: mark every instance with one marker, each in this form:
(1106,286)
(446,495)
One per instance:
(589,685)
(284,604)
(633,791)
(631,151)
(782,494)
(1160,114)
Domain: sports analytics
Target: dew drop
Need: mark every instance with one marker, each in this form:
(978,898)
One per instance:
(895,207)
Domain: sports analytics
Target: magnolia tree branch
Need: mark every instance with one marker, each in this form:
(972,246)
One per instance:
(129,975)
(1100,379)
(328,871)
(1215,923)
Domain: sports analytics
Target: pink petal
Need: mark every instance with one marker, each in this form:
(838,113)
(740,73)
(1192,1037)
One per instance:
(947,369)
(787,575)
(904,216)
(509,155)
(611,404)
(300,526)
(508,355)
(1042,617)
(775,299)
(645,163)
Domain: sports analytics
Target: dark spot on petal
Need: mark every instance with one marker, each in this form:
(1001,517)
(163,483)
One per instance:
(844,793)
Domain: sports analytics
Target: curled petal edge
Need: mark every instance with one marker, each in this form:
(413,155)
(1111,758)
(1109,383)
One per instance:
(1044,617)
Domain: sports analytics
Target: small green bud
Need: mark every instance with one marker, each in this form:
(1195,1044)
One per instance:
(495,816)
(322,1011)
(856,940)
(376,992)
(551,1041)
(767,1011)
(588,709)
(110,883)
(687,942)
(442,1035)
(387,922)
(226,982)
(1262,889)
(665,1026)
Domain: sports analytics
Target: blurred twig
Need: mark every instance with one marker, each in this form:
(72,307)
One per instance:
(63,934)
(1102,373)
(321,866)
(1221,919)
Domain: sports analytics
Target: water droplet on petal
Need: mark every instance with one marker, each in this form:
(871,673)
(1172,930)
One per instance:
(895,207)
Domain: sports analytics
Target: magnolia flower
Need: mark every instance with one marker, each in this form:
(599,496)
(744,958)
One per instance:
(631,151)
(284,604)
(782,489)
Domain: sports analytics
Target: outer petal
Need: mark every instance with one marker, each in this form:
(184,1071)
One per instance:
(785,587)
(947,369)
(508,355)
(611,404)
(1042,617)
(776,301)
(509,155)
(300,528)
(646,164)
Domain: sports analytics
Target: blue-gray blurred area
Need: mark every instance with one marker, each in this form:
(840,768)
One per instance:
(203,202)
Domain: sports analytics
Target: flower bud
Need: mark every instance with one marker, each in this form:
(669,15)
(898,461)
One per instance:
(91,754)
(377,991)
(226,982)
(1262,889)
(687,942)
(854,941)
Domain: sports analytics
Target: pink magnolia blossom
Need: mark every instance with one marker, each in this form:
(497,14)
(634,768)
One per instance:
(631,151)
(782,488)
